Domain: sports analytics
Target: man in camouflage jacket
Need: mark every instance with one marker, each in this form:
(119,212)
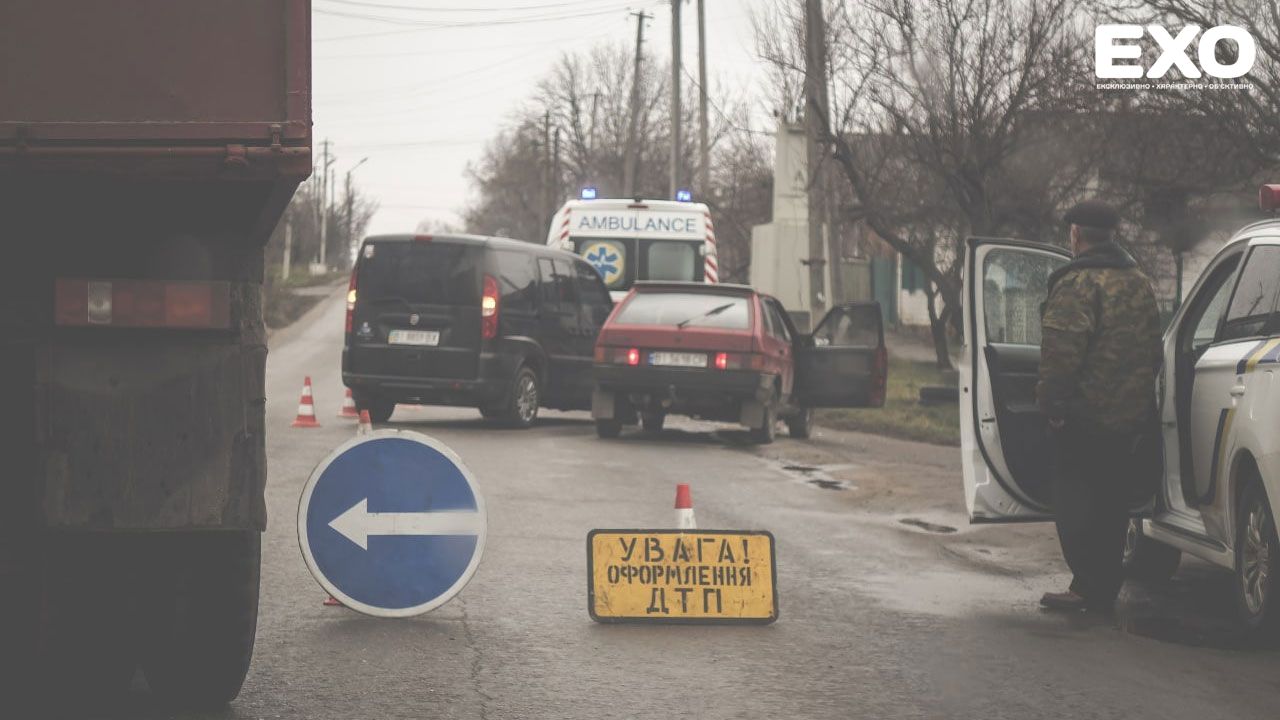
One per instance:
(1099,353)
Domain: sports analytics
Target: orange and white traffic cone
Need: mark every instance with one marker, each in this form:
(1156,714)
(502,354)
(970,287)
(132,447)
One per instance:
(684,508)
(366,425)
(306,409)
(348,406)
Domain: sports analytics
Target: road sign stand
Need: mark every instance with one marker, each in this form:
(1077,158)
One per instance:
(392,523)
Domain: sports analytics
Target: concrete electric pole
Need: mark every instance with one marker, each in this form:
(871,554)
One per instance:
(815,119)
(676,67)
(632,160)
(324,201)
(704,143)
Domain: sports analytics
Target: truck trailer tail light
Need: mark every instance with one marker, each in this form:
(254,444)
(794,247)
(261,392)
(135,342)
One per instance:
(351,299)
(489,309)
(142,304)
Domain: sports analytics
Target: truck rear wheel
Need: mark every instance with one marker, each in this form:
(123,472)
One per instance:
(205,615)
(67,645)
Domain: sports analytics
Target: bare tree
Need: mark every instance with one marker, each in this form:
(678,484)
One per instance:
(585,99)
(951,119)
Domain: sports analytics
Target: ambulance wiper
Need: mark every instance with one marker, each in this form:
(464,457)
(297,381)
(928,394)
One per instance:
(713,311)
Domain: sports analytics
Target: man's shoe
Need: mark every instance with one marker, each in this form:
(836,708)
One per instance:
(1068,601)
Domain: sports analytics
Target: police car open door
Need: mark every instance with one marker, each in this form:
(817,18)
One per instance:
(1003,439)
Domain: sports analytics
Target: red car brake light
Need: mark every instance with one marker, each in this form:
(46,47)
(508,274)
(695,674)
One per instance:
(633,356)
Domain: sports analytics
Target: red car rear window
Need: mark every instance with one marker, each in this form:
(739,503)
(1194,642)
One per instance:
(708,310)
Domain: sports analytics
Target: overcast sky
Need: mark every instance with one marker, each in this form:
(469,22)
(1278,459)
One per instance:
(418,86)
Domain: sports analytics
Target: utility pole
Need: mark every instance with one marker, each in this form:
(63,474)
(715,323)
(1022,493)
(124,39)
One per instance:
(815,117)
(591,138)
(546,168)
(555,178)
(704,144)
(324,198)
(674,179)
(350,196)
(631,160)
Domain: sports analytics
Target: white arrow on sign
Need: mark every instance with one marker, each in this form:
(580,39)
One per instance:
(357,523)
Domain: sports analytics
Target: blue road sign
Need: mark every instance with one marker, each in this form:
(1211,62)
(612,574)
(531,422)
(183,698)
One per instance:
(392,523)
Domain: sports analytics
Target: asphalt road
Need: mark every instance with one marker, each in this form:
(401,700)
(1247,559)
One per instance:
(891,606)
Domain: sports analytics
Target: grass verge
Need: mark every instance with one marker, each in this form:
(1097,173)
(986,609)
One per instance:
(281,306)
(902,415)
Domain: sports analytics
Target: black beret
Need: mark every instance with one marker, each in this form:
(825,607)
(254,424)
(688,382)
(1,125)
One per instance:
(1092,213)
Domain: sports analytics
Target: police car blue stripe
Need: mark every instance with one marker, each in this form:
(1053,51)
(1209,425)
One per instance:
(1243,365)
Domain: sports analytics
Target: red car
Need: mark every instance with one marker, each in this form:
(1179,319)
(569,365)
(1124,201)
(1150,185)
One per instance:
(729,353)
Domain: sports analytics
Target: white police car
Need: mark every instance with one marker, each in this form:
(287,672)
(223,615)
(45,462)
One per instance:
(1219,403)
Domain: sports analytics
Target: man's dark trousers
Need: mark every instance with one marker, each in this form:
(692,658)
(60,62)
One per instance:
(1090,507)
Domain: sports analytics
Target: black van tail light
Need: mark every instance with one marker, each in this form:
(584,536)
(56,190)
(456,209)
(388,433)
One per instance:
(489,309)
(879,377)
(142,304)
(351,300)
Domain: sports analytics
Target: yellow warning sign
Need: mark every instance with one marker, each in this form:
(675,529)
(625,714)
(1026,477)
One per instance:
(681,576)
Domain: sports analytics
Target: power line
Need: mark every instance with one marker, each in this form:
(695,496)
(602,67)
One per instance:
(468,49)
(419,8)
(423,25)
(720,111)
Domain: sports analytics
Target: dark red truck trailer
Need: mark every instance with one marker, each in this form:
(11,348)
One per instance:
(147,150)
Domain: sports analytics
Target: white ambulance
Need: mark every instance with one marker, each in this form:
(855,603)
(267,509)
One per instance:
(630,240)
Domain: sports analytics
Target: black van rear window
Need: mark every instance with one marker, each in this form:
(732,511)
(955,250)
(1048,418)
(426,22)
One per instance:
(421,273)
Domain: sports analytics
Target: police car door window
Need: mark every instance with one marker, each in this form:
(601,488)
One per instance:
(1016,284)
(1255,295)
(1217,290)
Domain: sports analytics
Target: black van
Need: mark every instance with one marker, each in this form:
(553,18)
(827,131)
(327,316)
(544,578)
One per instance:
(496,324)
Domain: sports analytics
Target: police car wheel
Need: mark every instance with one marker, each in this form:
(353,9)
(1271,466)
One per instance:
(608,429)
(652,422)
(1148,560)
(1257,561)
(203,616)
(800,425)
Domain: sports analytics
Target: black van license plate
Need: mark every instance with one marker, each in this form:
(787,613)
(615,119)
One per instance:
(414,337)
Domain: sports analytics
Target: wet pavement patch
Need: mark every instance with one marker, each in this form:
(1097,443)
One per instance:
(1193,609)
(928,526)
(817,476)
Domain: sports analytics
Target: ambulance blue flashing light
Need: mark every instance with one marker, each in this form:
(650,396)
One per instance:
(684,196)
(588,193)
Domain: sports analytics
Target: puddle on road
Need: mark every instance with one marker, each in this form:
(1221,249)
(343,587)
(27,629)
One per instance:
(928,526)
(818,476)
(1194,609)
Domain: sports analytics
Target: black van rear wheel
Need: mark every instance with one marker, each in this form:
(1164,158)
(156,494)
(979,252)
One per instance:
(379,409)
(519,409)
